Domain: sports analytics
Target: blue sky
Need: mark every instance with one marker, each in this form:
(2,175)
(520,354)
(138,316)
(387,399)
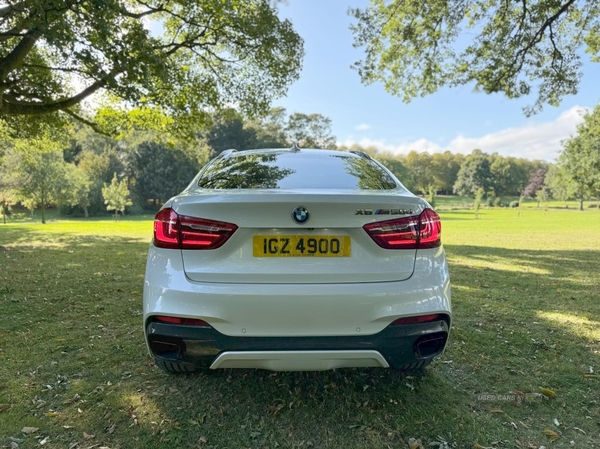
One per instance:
(457,119)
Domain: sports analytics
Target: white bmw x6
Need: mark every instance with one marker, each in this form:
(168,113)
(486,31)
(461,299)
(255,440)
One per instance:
(293,259)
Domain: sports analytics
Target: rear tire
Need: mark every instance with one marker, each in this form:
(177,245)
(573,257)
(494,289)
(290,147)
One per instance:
(171,367)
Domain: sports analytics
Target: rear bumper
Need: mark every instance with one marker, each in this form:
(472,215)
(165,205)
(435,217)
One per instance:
(295,310)
(205,347)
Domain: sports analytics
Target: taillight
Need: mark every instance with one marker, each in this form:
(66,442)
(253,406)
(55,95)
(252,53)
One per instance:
(430,230)
(417,232)
(166,229)
(172,230)
(184,321)
(416,319)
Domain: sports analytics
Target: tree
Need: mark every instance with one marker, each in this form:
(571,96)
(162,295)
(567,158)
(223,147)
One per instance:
(206,53)
(158,172)
(422,171)
(310,131)
(512,47)
(445,170)
(536,182)
(270,130)
(40,176)
(80,189)
(116,196)
(580,157)
(228,131)
(561,186)
(474,174)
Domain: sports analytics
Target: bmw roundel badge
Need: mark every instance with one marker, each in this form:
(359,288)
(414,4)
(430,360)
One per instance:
(300,214)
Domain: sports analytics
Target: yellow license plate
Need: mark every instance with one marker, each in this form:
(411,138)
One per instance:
(301,246)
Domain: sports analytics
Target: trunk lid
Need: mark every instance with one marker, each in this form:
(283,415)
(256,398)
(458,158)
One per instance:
(268,214)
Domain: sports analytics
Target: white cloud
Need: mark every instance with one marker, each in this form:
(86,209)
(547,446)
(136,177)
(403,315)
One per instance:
(532,141)
(363,127)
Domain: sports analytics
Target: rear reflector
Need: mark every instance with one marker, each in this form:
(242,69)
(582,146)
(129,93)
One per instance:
(172,230)
(416,319)
(416,232)
(184,321)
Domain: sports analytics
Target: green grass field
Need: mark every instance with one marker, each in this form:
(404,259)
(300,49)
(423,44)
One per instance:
(526,294)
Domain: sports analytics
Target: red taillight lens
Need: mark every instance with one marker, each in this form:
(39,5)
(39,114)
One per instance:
(166,229)
(430,230)
(184,321)
(416,319)
(179,231)
(423,231)
(401,233)
(198,233)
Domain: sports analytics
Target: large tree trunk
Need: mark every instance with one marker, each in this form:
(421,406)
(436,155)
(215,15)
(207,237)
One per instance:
(85,212)
(581,203)
(43,215)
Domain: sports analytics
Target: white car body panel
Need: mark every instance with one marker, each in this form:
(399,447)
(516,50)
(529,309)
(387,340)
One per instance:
(333,213)
(288,310)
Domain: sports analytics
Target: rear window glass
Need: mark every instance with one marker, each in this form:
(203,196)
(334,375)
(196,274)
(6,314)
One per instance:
(288,170)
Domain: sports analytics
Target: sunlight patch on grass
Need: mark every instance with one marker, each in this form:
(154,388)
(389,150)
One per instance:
(497,264)
(145,409)
(578,325)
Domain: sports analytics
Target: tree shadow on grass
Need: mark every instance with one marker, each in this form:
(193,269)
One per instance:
(76,327)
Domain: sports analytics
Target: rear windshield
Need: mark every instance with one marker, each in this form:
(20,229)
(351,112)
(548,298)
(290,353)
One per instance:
(301,170)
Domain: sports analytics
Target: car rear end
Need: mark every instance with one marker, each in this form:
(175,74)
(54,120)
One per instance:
(296,260)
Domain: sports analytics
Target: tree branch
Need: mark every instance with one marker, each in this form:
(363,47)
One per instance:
(537,37)
(89,123)
(6,10)
(16,57)
(25,108)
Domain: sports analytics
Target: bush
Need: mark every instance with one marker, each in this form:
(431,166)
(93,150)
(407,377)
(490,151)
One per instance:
(514,204)
(594,205)
(498,202)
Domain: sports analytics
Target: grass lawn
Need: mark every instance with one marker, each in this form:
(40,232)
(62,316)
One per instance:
(526,293)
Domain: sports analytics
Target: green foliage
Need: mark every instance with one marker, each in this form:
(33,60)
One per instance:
(579,162)
(514,204)
(116,195)
(38,173)
(196,56)
(310,131)
(159,172)
(422,170)
(474,174)
(514,48)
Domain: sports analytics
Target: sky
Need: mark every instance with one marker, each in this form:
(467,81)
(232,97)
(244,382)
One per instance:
(456,119)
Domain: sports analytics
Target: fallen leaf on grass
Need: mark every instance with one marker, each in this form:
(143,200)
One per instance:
(556,422)
(581,430)
(87,436)
(202,440)
(4,407)
(52,413)
(414,444)
(496,411)
(111,429)
(479,446)
(547,392)
(551,434)
(29,430)
(44,441)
